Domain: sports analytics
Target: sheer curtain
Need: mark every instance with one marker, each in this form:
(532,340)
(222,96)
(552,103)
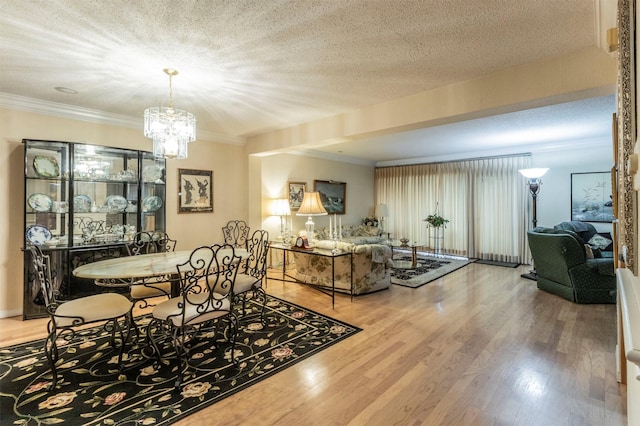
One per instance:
(485,200)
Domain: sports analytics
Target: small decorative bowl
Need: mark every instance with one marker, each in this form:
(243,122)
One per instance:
(404,241)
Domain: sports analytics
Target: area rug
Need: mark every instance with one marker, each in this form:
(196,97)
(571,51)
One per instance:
(93,392)
(429,268)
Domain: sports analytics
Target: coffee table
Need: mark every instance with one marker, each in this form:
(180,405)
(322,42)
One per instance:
(413,246)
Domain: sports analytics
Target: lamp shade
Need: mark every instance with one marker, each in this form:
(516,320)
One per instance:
(311,205)
(281,207)
(381,210)
(533,173)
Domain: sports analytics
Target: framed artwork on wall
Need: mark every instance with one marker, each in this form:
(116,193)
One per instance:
(195,191)
(296,192)
(333,195)
(591,197)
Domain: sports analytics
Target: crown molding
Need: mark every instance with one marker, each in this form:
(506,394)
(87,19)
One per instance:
(23,103)
(520,150)
(56,109)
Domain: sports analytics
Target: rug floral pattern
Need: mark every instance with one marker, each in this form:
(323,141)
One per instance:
(93,392)
(428,269)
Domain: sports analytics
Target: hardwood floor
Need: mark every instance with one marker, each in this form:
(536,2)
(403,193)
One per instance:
(480,346)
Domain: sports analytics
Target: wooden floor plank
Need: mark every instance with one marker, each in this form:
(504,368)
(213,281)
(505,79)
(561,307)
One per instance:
(479,346)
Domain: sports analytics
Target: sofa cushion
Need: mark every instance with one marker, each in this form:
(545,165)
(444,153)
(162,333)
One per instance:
(601,242)
(584,230)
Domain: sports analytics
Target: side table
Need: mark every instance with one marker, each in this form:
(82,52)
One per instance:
(314,252)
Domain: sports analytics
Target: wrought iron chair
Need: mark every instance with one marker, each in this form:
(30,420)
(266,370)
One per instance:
(253,270)
(206,291)
(66,317)
(147,243)
(236,232)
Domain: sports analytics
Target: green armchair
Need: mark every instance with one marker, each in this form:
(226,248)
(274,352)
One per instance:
(562,267)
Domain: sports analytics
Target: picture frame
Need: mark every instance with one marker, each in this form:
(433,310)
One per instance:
(332,194)
(195,191)
(296,192)
(591,197)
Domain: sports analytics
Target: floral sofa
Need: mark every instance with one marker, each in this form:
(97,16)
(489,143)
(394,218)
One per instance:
(371,261)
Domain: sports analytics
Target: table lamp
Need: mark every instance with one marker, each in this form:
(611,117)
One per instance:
(281,208)
(381,211)
(311,206)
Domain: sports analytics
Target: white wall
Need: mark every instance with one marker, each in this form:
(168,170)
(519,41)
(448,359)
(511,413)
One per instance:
(554,199)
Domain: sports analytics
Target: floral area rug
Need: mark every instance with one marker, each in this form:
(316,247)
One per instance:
(429,268)
(93,392)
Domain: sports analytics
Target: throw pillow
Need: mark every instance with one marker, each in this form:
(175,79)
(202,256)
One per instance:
(599,241)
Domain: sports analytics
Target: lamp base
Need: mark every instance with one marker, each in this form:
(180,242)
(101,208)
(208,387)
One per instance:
(309,227)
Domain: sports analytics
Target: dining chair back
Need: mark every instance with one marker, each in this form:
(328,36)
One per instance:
(236,232)
(66,316)
(249,282)
(147,243)
(206,290)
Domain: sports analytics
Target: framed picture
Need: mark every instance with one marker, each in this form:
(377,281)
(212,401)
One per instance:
(591,197)
(332,195)
(296,192)
(195,191)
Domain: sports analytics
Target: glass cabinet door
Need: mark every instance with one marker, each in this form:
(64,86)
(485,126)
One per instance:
(153,194)
(105,194)
(46,193)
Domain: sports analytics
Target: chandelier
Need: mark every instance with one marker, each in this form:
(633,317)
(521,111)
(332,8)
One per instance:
(171,129)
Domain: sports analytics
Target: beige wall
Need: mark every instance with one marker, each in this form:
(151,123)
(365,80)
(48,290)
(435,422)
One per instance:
(227,161)
(277,170)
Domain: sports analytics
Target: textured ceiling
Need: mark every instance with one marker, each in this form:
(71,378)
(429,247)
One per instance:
(249,66)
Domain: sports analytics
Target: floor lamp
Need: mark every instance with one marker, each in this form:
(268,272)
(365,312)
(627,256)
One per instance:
(534,180)
(311,206)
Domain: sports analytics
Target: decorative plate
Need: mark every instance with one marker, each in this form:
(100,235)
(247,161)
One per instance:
(81,203)
(151,173)
(116,202)
(40,202)
(38,234)
(46,166)
(128,175)
(151,203)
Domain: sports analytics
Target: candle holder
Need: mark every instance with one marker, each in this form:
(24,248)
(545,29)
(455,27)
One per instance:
(335,250)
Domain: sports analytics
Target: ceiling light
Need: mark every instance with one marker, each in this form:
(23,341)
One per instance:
(171,129)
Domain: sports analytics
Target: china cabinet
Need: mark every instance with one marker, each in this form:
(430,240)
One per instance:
(82,203)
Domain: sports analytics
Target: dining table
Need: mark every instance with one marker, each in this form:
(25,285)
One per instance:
(142,269)
(145,270)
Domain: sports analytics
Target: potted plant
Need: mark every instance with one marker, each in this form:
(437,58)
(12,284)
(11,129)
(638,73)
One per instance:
(436,220)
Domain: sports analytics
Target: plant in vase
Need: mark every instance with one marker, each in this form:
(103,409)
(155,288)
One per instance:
(436,223)
(436,220)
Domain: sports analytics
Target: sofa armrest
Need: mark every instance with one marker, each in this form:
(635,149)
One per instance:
(602,265)
(380,253)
